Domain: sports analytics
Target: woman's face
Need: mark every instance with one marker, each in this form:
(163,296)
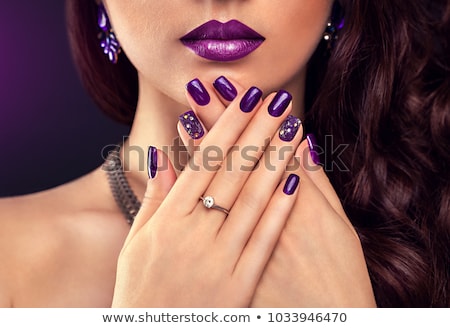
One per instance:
(150,32)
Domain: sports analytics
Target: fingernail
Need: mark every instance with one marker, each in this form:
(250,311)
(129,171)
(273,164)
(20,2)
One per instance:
(289,128)
(198,92)
(152,162)
(291,185)
(192,125)
(280,103)
(225,88)
(250,99)
(313,148)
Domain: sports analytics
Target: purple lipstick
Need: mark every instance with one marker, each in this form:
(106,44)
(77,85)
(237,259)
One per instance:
(222,41)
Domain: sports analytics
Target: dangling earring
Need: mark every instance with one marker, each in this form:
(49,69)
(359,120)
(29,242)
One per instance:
(335,24)
(108,40)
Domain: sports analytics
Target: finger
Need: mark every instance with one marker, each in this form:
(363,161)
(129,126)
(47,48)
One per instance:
(308,160)
(162,177)
(209,155)
(190,139)
(208,105)
(261,184)
(203,100)
(248,150)
(257,253)
(227,89)
(210,101)
(191,130)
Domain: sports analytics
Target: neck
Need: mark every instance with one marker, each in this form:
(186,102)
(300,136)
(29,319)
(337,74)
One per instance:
(155,124)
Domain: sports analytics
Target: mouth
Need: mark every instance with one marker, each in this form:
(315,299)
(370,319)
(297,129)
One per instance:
(222,42)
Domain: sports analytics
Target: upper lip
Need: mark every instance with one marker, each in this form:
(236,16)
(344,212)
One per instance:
(215,30)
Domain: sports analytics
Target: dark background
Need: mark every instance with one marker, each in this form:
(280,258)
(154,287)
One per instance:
(50,130)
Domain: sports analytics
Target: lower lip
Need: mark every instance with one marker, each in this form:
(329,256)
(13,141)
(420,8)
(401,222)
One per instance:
(223,50)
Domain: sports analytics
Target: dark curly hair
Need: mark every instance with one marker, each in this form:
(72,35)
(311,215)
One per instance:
(386,94)
(383,90)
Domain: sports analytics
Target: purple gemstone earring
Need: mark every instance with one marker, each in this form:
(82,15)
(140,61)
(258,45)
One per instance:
(108,40)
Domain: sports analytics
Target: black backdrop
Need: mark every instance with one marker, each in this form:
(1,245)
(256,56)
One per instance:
(50,131)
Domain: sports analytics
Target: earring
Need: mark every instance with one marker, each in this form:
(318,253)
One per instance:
(330,35)
(108,40)
(335,24)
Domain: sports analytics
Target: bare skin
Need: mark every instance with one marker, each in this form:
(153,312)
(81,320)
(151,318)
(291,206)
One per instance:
(59,248)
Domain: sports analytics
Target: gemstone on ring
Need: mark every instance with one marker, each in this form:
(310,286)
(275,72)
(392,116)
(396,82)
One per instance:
(208,202)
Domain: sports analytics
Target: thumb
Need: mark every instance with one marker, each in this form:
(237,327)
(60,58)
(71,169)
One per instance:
(162,177)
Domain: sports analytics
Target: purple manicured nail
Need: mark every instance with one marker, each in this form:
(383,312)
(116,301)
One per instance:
(250,99)
(225,88)
(312,143)
(289,128)
(291,185)
(198,92)
(280,103)
(152,162)
(192,125)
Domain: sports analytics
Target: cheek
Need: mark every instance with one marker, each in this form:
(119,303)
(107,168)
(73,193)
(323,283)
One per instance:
(140,26)
(295,35)
(148,33)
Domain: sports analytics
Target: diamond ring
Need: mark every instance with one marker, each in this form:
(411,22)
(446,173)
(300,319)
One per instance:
(208,202)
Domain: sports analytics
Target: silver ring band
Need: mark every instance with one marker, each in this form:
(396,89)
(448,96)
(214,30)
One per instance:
(208,202)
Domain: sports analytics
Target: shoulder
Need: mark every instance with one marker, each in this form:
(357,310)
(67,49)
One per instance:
(47,234)
(23,238)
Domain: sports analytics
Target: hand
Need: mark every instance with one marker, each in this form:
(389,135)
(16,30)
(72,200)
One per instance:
(318,261)
(181,254)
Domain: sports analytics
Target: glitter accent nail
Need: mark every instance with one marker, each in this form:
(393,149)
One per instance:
(192,125)
(289,128)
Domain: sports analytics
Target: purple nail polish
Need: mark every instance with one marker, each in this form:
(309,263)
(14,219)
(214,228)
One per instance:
(192,125)
(198,92)
(152,162)
(291,185)
(225,88)
(250,99)
(312,143)
(280,103)
(289,128)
